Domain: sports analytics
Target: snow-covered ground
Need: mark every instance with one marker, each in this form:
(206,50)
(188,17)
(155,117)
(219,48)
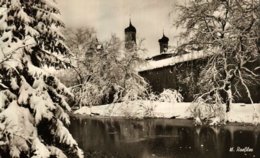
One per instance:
(244,113)
(139,110)
(241,113)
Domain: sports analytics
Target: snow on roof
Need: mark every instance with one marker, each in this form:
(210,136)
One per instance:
(173,60)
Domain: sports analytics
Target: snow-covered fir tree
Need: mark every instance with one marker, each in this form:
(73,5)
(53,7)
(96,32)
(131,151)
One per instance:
(33,108)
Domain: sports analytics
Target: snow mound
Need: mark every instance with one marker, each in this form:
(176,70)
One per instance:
(240,113)
(246,113)
(83,111)
(139,109)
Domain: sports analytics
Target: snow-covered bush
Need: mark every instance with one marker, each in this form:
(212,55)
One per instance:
(33,108)
(132,109)
(146,106)
(88,94)
(208,111)
(149,109)
(152,97)
(109,74)
(172,96)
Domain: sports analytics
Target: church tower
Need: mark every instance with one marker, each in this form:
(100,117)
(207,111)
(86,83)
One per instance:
(130,36)
(163,44)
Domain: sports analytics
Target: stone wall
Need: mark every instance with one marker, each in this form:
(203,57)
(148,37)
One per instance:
(184,77)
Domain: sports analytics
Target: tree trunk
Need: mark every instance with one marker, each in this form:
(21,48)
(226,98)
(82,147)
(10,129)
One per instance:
(229,97)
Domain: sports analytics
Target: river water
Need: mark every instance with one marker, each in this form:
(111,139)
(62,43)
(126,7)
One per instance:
(163,138)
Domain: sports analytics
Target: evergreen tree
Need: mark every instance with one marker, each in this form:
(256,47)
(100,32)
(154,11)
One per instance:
(32,102)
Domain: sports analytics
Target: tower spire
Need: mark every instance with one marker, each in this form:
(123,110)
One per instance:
(163,32)
(130,23)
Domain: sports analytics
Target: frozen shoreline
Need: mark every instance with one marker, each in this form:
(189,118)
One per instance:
(240,113)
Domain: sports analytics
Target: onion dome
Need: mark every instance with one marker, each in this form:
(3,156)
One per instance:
(164,39)
(130,28)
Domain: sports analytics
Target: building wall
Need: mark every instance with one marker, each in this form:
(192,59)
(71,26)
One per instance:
(184,77)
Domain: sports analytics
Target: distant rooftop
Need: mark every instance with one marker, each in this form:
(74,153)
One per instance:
(166,55)
(171,60)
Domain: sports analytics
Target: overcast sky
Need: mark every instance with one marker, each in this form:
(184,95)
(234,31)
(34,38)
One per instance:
(109,17)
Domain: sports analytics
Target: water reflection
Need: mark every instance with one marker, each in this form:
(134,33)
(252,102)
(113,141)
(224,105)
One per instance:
(164,138)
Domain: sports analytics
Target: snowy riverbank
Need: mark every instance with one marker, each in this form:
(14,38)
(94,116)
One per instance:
(241,113)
